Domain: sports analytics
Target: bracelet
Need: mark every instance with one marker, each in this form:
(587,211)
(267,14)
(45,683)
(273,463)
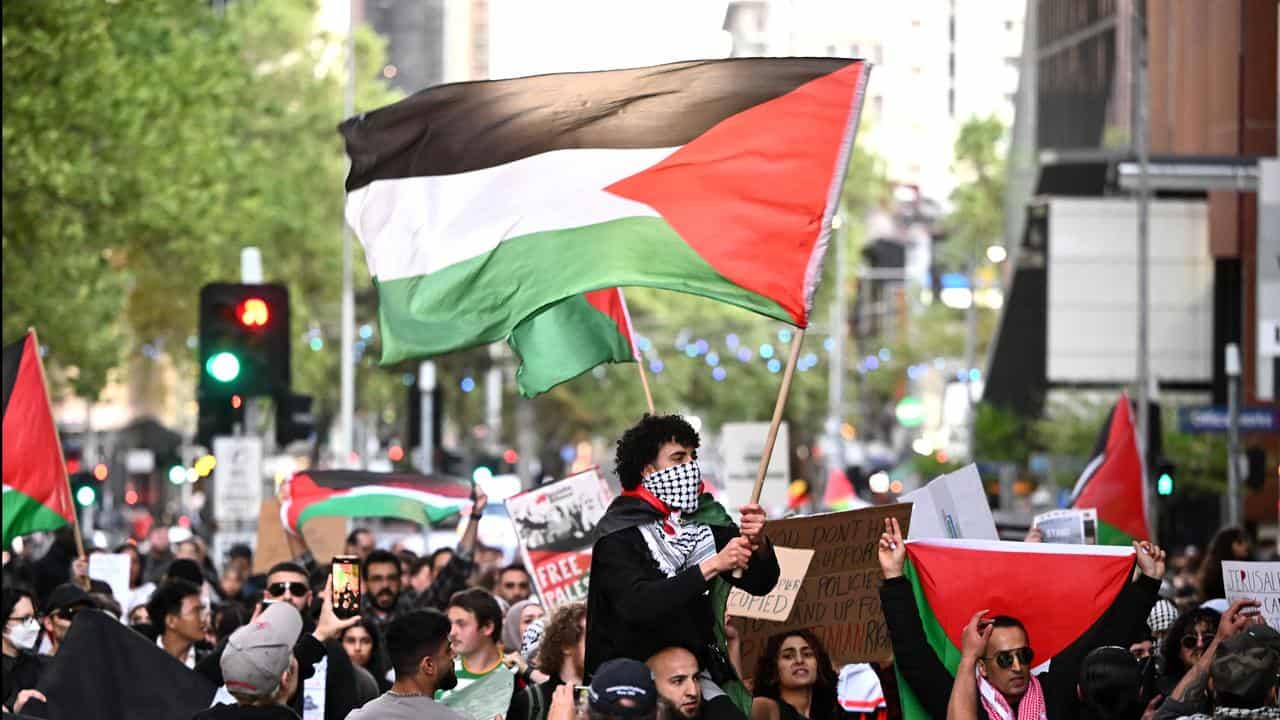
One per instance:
(474,516)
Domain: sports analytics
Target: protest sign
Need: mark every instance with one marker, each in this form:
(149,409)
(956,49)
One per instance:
(273,543)
(1254,581)
(313,692)
(952,506)
(554,523)
(1075,526)
(776,606)
(112,569)
(839,599)
(486,698)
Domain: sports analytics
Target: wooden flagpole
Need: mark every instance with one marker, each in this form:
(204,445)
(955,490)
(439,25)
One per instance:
(62,460)
(644,382)
(772,438)
(783,392)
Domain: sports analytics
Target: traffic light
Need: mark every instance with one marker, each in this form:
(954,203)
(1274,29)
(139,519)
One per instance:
(295,419)
(1164,478)
(244,341)
(84,488)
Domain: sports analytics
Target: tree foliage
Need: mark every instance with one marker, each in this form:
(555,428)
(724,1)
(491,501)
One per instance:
(145,143)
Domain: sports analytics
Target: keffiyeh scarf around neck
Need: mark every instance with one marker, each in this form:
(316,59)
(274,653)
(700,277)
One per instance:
(1030,708)
(676,546)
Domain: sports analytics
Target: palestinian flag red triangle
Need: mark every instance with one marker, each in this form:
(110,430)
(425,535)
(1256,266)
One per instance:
(37,495)
(1114,481)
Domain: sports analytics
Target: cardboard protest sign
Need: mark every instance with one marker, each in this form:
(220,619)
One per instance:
(839,599)
(112,569)
(1072,526)
(325,537)
(776,606)
(952,506)
(273,544)
(554,523)
(1254,581)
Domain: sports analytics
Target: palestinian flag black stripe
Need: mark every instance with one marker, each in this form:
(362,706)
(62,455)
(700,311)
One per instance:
(461,127)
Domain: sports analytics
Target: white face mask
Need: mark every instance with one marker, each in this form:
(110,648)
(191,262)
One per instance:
(24,635)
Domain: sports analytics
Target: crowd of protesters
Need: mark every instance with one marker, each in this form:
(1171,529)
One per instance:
(652,639)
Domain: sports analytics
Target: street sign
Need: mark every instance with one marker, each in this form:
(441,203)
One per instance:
(1213,419)
(1269,338)
(237,479)
(741,445)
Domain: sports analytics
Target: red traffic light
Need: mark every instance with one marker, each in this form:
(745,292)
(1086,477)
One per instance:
(253,312)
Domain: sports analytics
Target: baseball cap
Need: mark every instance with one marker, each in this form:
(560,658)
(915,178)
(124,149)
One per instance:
(1247,664)
(258,653)
(623,687)
(66,596)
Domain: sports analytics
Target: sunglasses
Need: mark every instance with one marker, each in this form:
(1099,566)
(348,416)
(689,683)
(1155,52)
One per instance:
(1191,641)
(1023,655)
(295,589)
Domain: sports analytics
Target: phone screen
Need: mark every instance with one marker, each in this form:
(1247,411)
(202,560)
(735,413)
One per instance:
(581,696)
(346,586)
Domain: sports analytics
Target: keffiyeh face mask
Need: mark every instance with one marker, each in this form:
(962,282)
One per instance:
(677,486)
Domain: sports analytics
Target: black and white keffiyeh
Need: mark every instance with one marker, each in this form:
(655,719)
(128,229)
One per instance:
(677,546)
(677,486)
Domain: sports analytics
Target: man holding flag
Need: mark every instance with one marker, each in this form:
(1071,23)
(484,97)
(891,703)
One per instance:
(665,555)
(1063,600)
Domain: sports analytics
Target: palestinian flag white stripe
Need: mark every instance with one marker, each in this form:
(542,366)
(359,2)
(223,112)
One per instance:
(399,221)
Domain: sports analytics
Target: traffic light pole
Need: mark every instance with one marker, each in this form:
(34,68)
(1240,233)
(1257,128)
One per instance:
(348,402)
(1233,434)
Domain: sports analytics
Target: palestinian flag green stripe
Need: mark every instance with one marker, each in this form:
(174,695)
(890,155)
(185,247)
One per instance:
(421,316)
(24,514)
(1109,534)
(563,341)
(379,505)
(947,652)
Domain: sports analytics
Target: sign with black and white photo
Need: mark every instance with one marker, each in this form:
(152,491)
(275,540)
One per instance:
(554,524)
(1073,526)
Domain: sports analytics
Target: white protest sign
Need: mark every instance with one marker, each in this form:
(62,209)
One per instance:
(112,569)
(741,446)
(237,479)
(313,692)
(1076,526)
(952,506)
(776,605)
(1254,581)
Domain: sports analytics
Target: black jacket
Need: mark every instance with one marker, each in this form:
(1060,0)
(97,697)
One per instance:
(931,682)
(633,610)
(21,673)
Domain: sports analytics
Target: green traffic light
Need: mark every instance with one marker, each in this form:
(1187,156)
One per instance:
(1164,485)
(223,367)
(86,495)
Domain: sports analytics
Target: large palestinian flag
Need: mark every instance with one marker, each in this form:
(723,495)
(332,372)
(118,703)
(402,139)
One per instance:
(37,495)
(353,493)
(480,203)
(1114,481)
(1057,591)
(564,340)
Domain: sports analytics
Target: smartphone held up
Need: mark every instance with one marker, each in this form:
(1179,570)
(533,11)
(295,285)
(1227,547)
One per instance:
(346,585)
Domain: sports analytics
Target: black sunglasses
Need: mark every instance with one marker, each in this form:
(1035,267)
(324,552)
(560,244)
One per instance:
(295,589)
(1192,640)
(1005,658)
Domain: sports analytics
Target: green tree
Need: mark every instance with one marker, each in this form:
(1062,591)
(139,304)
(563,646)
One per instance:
(145,144)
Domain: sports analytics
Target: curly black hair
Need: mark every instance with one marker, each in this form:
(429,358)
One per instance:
(639,445)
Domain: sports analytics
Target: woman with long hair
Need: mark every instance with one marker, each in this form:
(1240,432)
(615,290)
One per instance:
(1229,544)
(363,645)
(1187,640)
(561,656)
(795,680)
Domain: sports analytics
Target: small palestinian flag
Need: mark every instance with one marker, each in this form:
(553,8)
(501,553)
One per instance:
(353,493)
(481,203)
(1057,591)
(566,339)
(37,494)
(1114,482)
